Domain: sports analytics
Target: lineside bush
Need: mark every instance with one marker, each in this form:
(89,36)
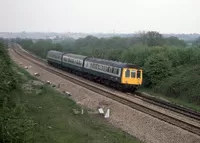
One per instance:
(16,127)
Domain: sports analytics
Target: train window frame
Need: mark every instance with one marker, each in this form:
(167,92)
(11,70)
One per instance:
(127,73)
(110,69)
(117,71)
(113,70)
(106,68)
(133,71)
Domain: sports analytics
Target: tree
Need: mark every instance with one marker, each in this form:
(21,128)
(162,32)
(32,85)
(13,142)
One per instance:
(7,76)
(151,38)
(156,68)
(174,41)
(154,38)
(196,42)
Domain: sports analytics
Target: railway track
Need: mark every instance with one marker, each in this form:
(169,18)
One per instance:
(169,119)
(170,106)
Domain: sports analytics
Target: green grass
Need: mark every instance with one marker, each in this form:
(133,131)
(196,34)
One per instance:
(57,123)
(182,102)
(22,72)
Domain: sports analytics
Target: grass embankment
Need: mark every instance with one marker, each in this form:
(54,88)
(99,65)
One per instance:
(55,120)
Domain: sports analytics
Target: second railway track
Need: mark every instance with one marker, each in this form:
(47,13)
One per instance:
(172,120)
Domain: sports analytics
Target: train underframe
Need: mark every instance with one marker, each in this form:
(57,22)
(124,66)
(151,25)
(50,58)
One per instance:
(115,85)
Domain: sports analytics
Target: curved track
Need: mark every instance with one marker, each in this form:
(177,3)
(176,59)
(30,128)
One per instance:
(167,105)
(172,120)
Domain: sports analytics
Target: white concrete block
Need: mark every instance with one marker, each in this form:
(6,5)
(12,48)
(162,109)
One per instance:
(107,115)
(101,111)
(48,82)
(36,74)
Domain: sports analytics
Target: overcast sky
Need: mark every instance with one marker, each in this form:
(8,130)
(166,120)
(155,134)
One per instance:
(105,16)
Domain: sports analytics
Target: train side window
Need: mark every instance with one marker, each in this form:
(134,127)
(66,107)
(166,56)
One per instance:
(127,73)
(106,68)
(133,74)
(95,66)
(110,69)
(100,67)
(117,71)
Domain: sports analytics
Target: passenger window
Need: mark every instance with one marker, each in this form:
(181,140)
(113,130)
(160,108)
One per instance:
(127,73)
(110,69)
(133,74)
(117,71)
(106,69)
(103,68)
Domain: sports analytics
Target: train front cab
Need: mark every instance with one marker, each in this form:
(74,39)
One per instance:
(131,78)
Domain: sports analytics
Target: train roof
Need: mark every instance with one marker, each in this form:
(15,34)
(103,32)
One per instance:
(57,52)
(98,60)
(112,63)
(75,56)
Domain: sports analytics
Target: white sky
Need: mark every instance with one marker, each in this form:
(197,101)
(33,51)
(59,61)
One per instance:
(105,16)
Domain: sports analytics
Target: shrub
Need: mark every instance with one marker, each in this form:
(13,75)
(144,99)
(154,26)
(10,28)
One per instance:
(184,85)
(157,67)
(16,127)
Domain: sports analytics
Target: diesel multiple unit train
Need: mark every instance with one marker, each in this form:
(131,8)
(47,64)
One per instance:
(122,76)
